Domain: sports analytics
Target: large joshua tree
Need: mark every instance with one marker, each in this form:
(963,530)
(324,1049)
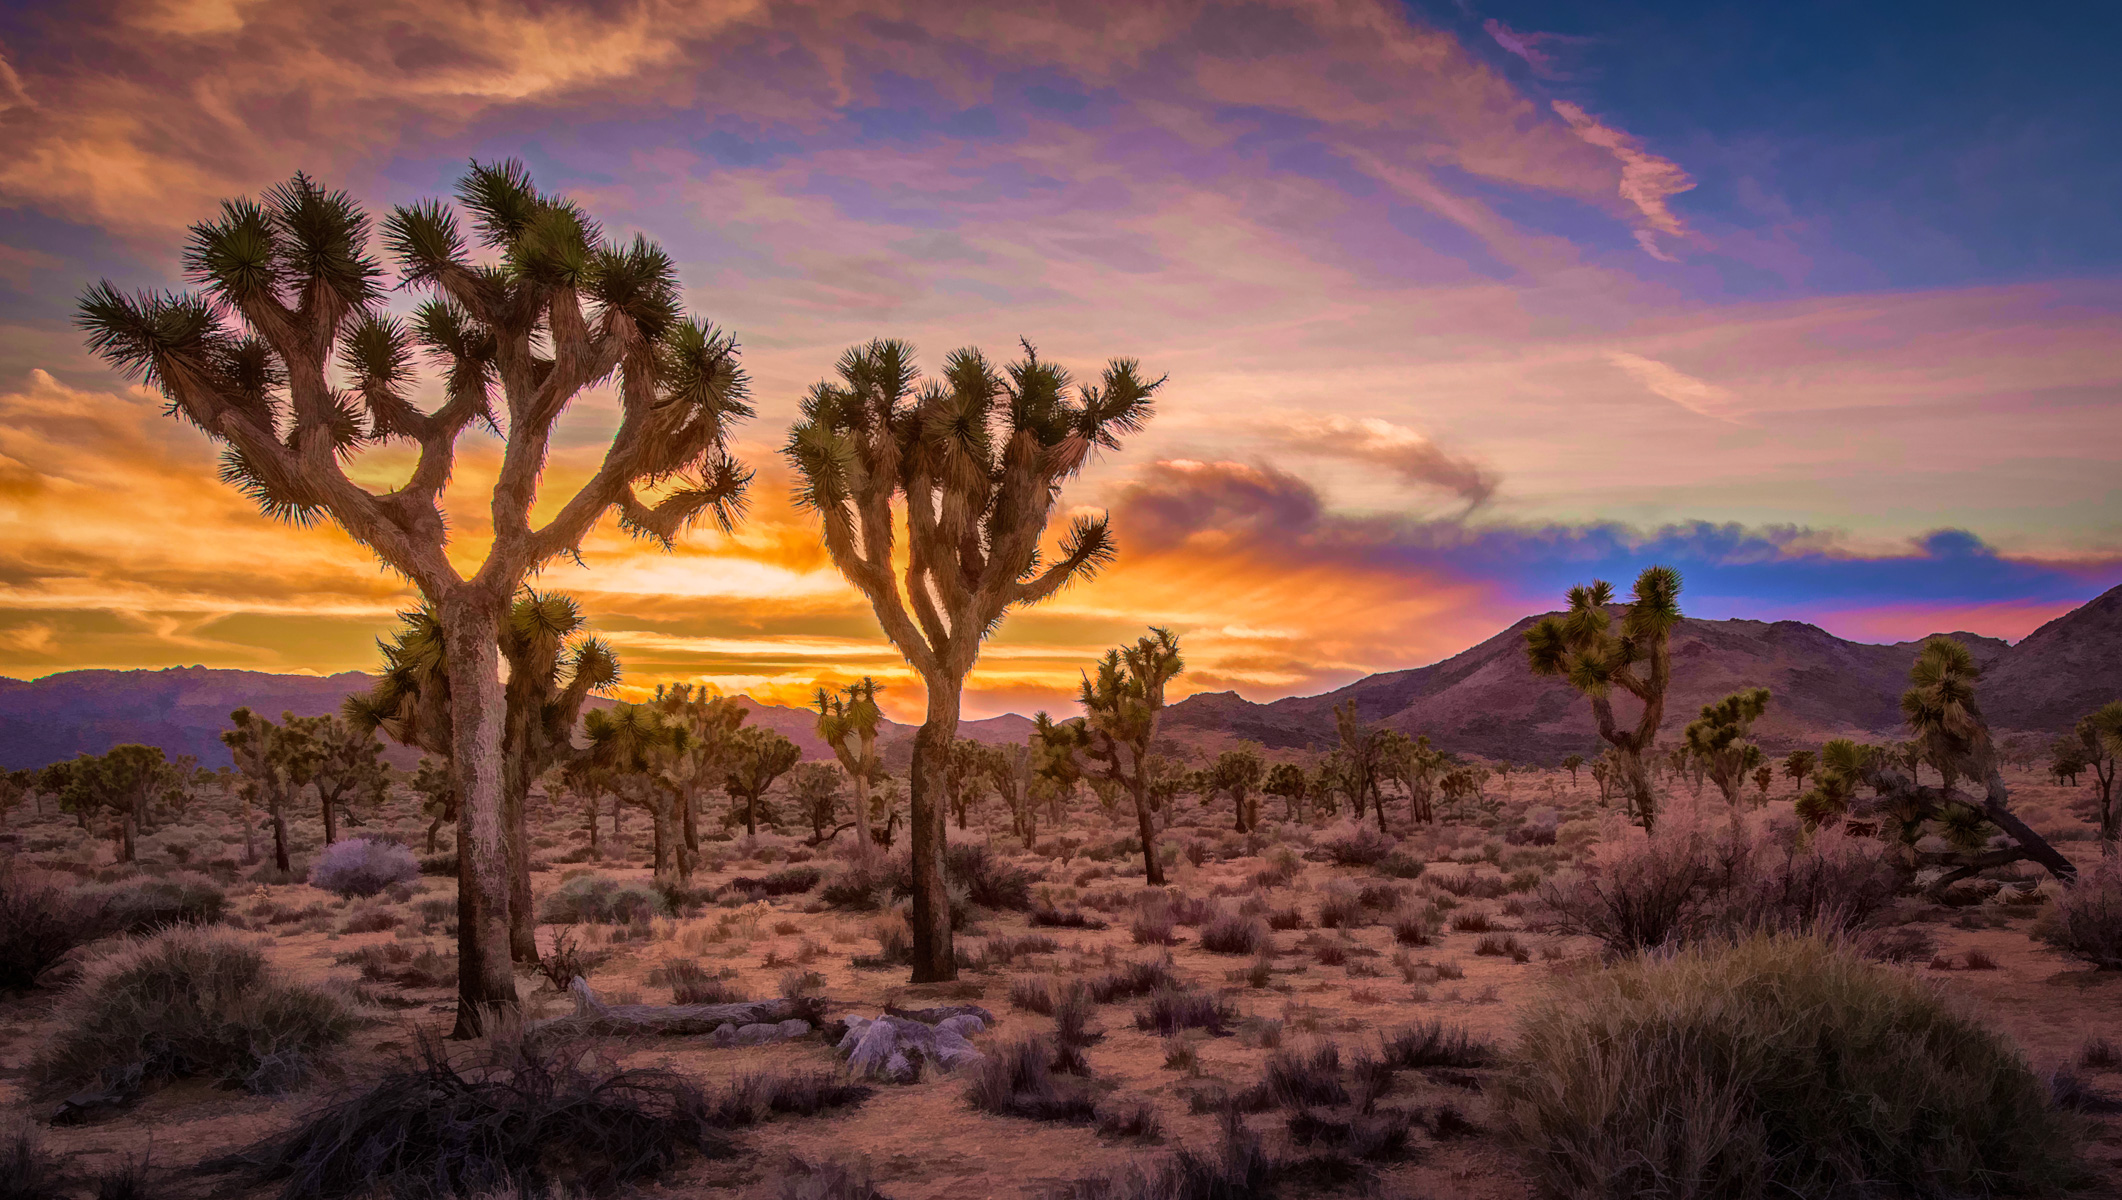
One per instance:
(972,463)
(1582,647)
(1717,739)
(290,296)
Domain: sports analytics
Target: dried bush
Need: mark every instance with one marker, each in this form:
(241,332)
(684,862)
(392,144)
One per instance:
(2085,922)
(1409,929)
(1435,1044)
(1240,1168)
(988,881)
(191,1003)
(534,1116)
(1018,1081)
(40,923)
(363,867)
(753,1098)
(1135,1119)
(801,1180)
(1401,866)
(1171,1010)
(597,899)
(1286,918)
(1153,926)
(691,983)
(1330,954)
(1468,886)
(1229,933)
(369,917)
(145,904)
(1472,922)
(2100,1054)
(1776,1066)
(1342,910)
(568,960)
(1293,1078)
(1356,845)
(400,964)
(1138,978)
(27,1170)
(1005,950)
(1072,918)
(861,886)
(1503,945)
(791,881)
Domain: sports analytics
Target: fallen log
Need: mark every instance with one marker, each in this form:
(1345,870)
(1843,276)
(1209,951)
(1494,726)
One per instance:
(594,1018)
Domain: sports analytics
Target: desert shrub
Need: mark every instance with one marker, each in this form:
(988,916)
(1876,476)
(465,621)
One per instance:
(1018,1081)
(1330,954)
(534,1116)
(1503,945)
(363,867)
(1342,910)
(368,917)
(1356,845)
(1071,918)
(2100,1054)
(1401,866)
(1435,1044)
(27,1170)
(861,886)
(1005,950)
(444,864)
(1232,934)
(1239,1168)
(796,984)
(1776,1066)
(1135,1119)
(397,963)
(1153,926)
(1138,978)
(1171,1010)
(831,1180)
(988,881)
(755,1097)
(1467,885)
(1291,917)
(1293,1078)
(145,904)
(1472,922)
(2085,922)
(789,881)
(192,1003)
(41,921)
(567,961)
(597,899)
(1409,929)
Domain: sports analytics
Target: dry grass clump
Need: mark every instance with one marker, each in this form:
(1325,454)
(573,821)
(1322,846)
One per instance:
(1228,933)
(1071,918)
(1153,926)
(1240,1168)
(596,899)
(530,1118)
(41,922)
(1435,1044)
(1503,945)
(191,1003)
(754,1098)
(370,917)
(2085,921)
(27,1170)
(1018,1081)
(1356,845)
(145,904)
(363,867)
(830,1180)
(1172,1010)
(400,964)
(567,961)
(691,983)
(1776,1066)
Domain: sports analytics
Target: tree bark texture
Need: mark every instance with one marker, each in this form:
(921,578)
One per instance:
(934,957)
(486,979)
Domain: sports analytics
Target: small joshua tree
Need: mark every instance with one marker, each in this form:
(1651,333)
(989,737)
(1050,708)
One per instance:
(1797,765)
(1287,781)
(1571,763)
(125,780)
(1582,648)
(1717,739)
(276,762)
(1121,704)
(1764,775)
(349,766)
(1237,774)
(757,757)
(817,789)
(1362,748)
(2099,733)
(1415,765)
(702,729)
(847,721)
(975,460)
(292,299)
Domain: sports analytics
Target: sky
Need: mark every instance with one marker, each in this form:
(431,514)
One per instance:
(1461,303)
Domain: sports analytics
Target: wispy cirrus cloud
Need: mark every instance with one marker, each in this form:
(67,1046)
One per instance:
(1648,182)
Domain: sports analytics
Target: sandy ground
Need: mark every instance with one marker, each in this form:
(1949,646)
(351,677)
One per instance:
(924,1140)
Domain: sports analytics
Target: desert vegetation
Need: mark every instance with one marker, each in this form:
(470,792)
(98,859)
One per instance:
(503,926)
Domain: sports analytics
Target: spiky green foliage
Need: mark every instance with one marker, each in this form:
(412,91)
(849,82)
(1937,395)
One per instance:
(124,780)
(847,721)
(1582,647)
(1237,773)
(974,460)
(1287,781)
(1121,703)
(1717,739)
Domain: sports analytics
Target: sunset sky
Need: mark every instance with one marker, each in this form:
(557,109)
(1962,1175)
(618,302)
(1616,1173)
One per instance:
(1461,303)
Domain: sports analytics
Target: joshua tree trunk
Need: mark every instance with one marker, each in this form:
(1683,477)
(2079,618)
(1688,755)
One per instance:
(689,816)
(279,837)
(934,961)
(596,850)
(331,821)
(867,839)
(127,829)
(485,974)
(1138,786)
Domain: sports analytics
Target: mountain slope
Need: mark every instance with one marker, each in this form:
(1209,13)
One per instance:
(2061,671)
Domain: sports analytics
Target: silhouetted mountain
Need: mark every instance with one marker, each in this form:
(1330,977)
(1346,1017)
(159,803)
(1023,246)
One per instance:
(1481,701)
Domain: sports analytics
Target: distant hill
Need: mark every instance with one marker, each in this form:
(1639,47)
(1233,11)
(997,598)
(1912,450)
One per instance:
(1481,701)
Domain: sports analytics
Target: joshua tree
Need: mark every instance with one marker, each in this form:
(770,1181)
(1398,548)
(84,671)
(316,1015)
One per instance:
(817,789)
(291,297)
(1570,763)
(628,744)
(847,721)
(1011,772)
(1581,647)
(349,766)
(276,762)
(1287,781)
(2100,734)
(431,784)
(976,459)
(554,667)
(1797,765)
(124,779)
(1237,773)
(1361,748)
(1414,764)
(963,780)
(1121,704)
(1837,770)
(2066,759)
(1717,739)
(1944,716)
(757,757)
(1764,775)
(701,728)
